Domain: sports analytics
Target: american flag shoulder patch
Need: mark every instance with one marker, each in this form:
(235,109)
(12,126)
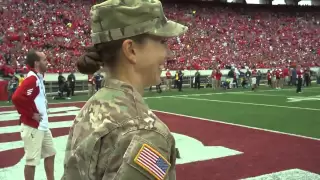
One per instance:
(152,161)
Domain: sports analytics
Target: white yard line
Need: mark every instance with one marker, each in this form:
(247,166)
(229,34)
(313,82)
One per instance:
(247,103)
(290,89)
(239,125)
(260,94)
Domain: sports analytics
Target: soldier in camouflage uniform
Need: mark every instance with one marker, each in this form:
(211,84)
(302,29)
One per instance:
(116,136)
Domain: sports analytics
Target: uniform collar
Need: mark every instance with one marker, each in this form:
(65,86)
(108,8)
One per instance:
(36,73)
(122,86)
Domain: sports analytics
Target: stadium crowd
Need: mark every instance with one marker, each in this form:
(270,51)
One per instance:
(218,36)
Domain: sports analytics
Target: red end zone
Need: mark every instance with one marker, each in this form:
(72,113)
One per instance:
(263,152)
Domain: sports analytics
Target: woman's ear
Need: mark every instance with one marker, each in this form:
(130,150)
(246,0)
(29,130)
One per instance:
(130,50)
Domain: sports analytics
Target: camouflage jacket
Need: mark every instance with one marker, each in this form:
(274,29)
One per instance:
(117,137)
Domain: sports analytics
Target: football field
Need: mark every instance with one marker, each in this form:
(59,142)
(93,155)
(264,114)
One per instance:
(221,135)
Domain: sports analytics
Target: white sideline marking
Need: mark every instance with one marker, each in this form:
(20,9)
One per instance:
(305,98)
(257,94)
(239,125)
(247,103)
(292,174)
(52,125)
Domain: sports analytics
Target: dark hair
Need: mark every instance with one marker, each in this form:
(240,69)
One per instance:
(103,54)
(32,57)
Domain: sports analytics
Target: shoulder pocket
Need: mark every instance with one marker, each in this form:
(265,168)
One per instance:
(147,158)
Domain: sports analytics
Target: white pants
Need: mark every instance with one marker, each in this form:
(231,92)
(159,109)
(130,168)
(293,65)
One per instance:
(253,80)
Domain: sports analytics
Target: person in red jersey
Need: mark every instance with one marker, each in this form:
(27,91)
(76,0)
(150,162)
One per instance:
(269,75)
(168,80)
(218,76)
(31,103)
(254,75)
(299,78)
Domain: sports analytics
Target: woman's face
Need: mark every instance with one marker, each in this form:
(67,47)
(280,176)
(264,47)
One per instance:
(150,60)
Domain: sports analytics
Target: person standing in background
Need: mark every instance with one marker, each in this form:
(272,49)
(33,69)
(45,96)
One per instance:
(61,81)
(180,80)
(213,79)
(168,80)
(98,81)
(21,78)
(176,80)
(90,85)
(290,83)
(286,77)
(282,79)
(248,77)
(269,76)
(63,87)
(299,73)
(218,76)
(12,86)
(72,82)
(259,76)
(294,76)
(31,103)
(273,78)
(254,75)
(278,78)
(307,77)
(197,80)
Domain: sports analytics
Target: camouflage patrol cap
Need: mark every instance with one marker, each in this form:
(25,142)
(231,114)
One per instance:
(118,19)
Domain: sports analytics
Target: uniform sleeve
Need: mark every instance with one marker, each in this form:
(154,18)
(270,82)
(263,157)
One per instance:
(142,155)
(24,96)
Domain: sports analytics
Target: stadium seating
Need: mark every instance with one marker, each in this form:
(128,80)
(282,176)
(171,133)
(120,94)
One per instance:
(218,36)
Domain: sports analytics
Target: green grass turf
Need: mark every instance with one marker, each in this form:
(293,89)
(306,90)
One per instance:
(266,109)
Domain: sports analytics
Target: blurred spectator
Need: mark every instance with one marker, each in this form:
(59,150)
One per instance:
(12,86)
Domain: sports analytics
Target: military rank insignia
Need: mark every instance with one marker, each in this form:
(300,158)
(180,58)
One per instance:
(152,161)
